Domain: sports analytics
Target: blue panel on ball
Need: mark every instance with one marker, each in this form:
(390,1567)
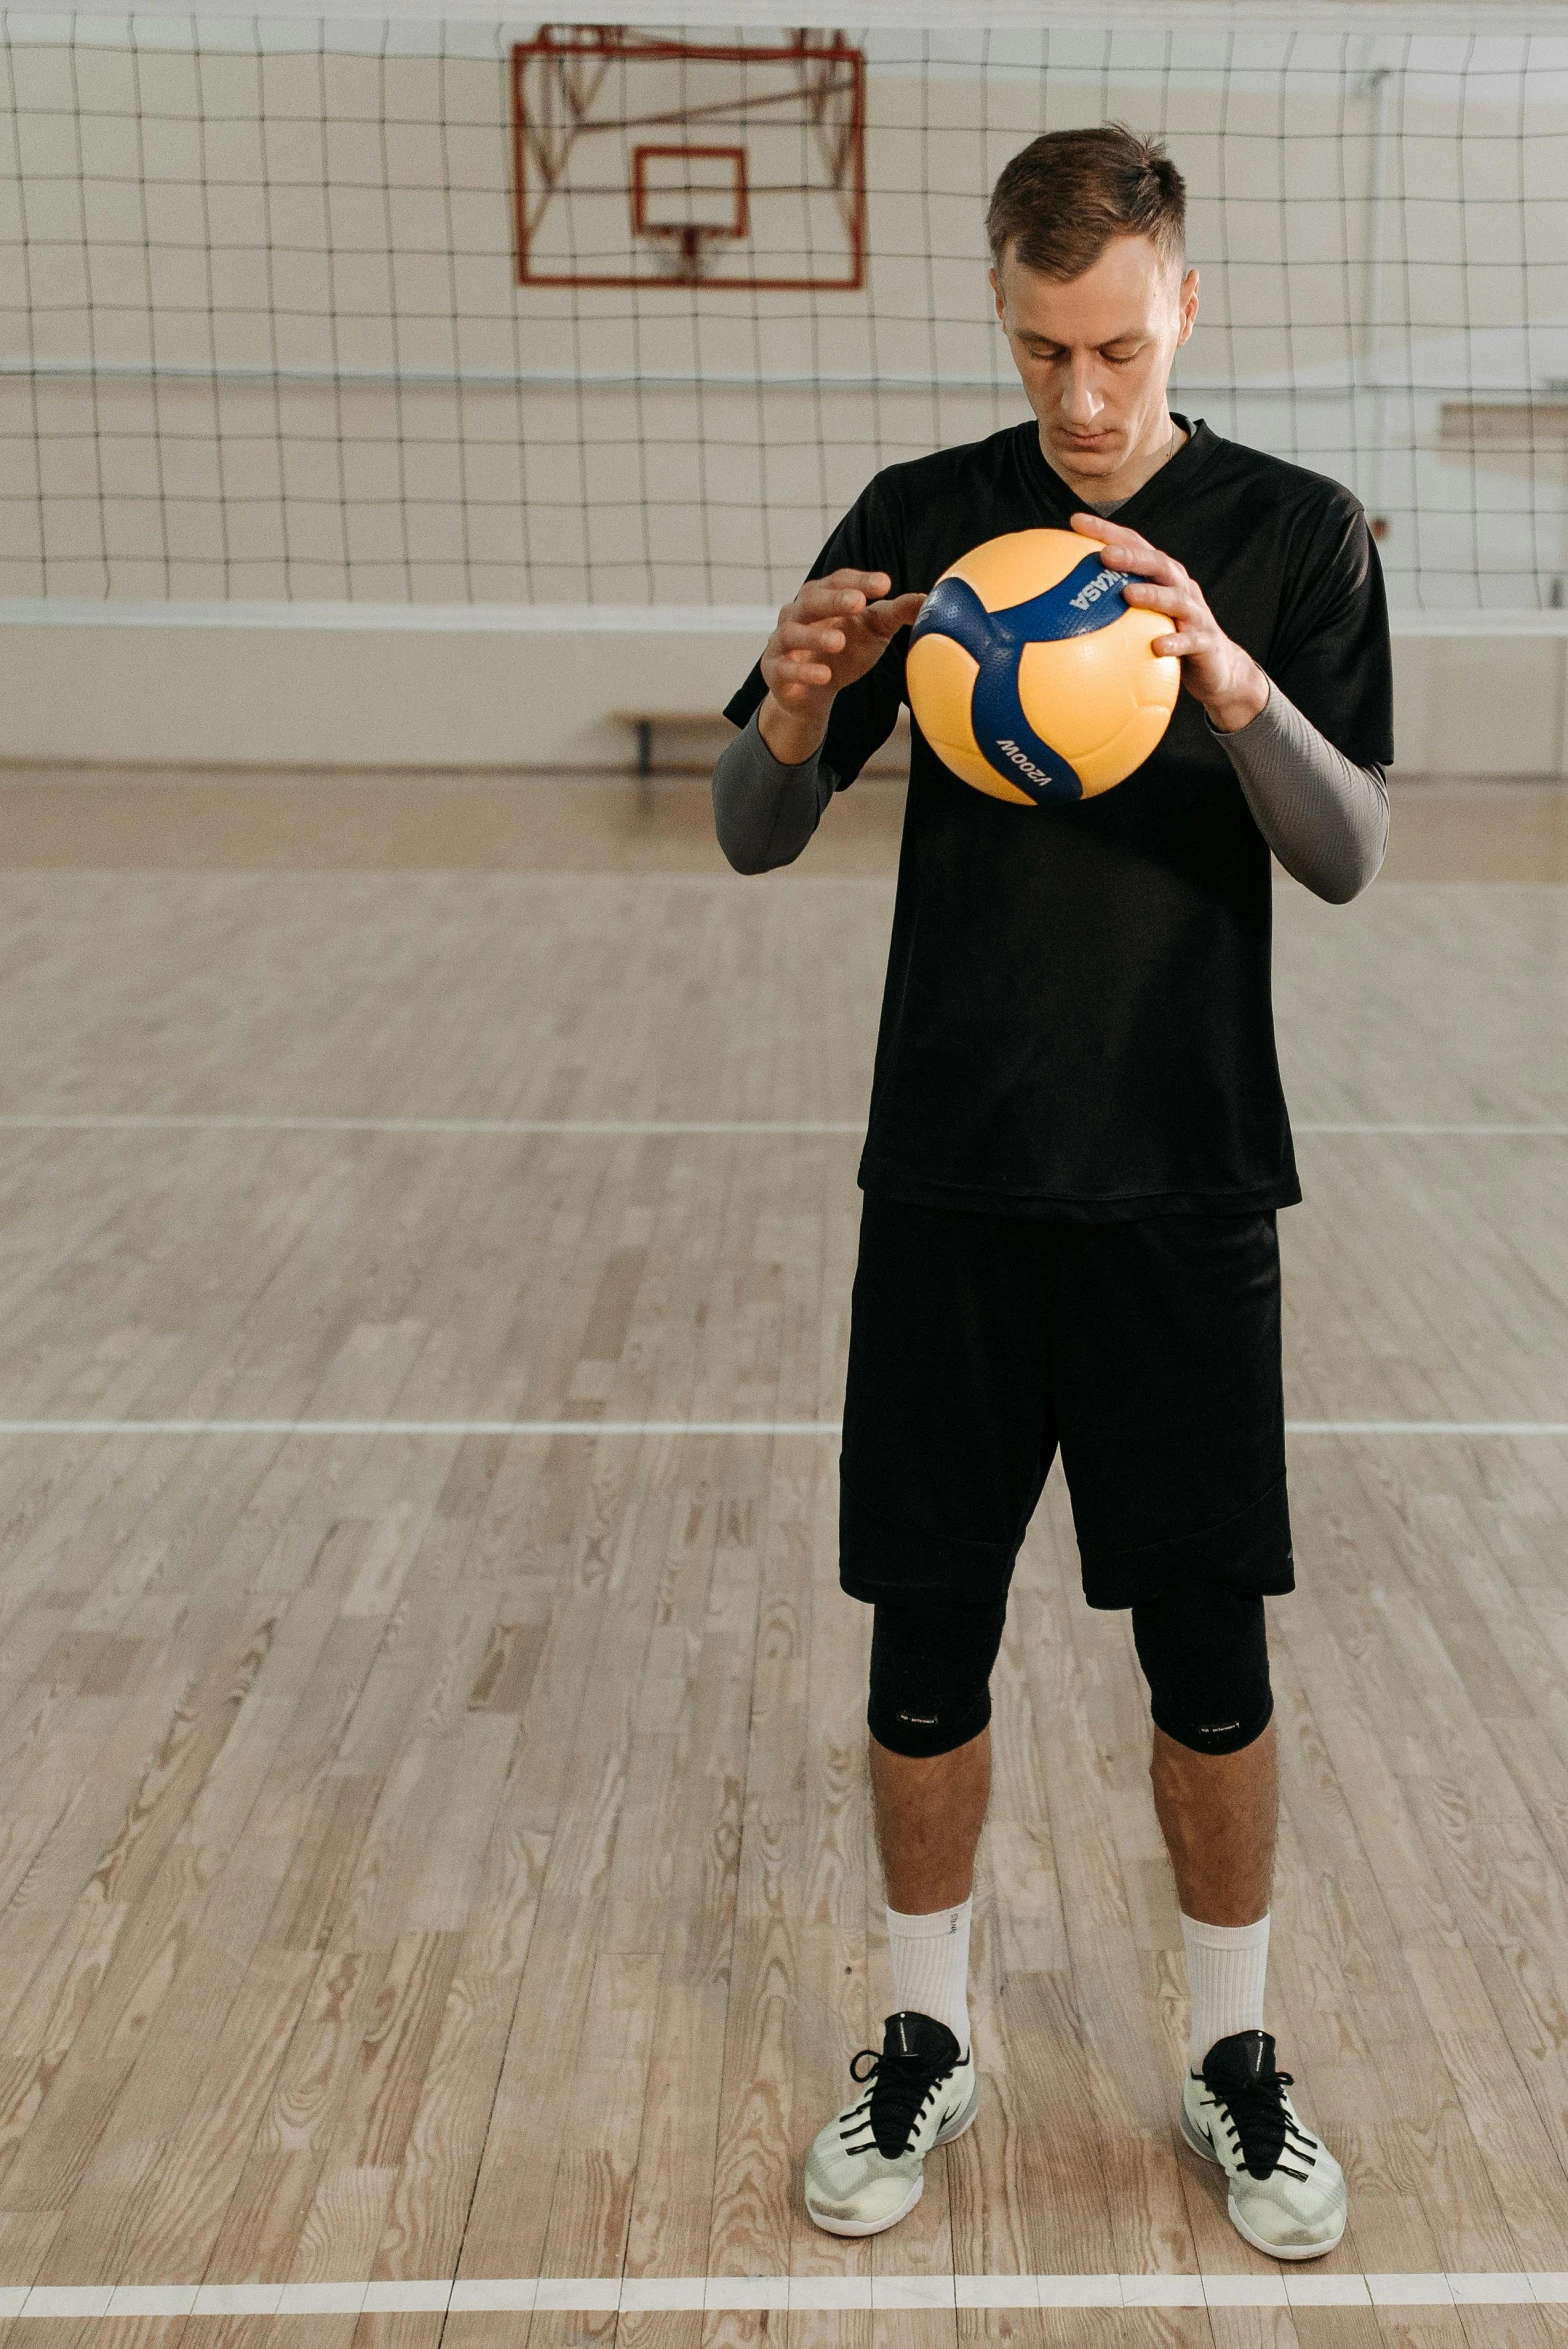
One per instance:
(1088,598)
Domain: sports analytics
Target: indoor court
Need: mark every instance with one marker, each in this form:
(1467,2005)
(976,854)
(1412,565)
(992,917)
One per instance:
(438,1895)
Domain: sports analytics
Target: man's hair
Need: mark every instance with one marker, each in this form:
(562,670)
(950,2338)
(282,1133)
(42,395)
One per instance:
(1068,195)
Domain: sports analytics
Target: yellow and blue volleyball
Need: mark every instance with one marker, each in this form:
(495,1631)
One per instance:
(1031,678)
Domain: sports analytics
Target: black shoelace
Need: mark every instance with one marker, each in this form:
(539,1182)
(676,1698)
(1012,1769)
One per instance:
(900,2088)
(1261,2127)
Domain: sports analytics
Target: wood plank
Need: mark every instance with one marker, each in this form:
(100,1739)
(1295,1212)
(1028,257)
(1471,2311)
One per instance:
(422,1857)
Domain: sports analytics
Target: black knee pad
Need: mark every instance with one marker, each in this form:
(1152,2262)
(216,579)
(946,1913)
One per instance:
(931,1674)
(1205,1655)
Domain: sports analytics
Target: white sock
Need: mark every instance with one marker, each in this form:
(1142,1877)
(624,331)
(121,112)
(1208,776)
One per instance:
(1226,1966)
(931,1966)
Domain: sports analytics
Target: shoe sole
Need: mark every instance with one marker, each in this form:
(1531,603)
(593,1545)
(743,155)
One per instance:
(1201,2146)
(955,2128)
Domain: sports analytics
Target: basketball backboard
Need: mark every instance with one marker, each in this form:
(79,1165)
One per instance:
(641,160)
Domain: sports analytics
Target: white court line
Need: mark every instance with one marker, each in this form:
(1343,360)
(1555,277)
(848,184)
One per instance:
(181,1123)
(674,1427)
(422,1427)
(153,1123)
(1483,1131)
(500,1126)
(493,2295)
(1426,1427)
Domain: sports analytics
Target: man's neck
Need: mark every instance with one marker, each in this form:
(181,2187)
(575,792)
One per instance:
(1113,489)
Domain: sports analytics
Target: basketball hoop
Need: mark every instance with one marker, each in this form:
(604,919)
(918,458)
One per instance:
(620,179)
(686,197)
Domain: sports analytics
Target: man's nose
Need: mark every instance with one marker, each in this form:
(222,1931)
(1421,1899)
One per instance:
(1081,397)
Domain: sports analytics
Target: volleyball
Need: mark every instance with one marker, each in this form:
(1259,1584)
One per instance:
(1031,678)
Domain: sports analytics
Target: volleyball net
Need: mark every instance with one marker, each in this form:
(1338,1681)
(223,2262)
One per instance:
(496,313)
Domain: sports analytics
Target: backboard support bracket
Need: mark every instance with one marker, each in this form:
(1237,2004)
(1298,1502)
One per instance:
(794,113)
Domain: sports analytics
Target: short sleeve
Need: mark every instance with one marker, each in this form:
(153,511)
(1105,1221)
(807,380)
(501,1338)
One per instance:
(1331,652)
(865,713)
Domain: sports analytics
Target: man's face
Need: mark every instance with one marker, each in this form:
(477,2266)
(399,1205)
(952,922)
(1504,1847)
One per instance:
(1095,353)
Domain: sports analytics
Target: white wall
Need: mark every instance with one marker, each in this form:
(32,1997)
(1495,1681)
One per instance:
(270,288)
(262,354)
(126,685)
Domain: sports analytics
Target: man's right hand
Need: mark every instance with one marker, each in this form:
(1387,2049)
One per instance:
(832,632)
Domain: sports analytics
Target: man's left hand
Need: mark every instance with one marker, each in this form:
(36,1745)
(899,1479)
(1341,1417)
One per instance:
(1216,672)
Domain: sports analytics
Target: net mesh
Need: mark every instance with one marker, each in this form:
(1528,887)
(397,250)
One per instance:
(262,334)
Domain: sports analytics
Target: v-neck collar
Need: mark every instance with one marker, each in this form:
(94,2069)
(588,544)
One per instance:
(1176,473)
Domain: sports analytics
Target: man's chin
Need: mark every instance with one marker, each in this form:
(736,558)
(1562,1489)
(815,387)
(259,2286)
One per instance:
(1088,459)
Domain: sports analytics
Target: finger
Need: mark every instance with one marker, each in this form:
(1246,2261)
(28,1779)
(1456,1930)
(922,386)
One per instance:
(1179,646)
(802,668)
(819,636)
(899,611)
(1103,526)
(1112,535)
(1180,602)
(818,601)
(815,605)
(1127,550)
(870,583)
(863,586)
(796,685)
(1137,555)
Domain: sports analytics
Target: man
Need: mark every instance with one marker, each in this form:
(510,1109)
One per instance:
(1078,1142)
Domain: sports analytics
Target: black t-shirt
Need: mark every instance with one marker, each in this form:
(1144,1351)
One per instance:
(1077,1018)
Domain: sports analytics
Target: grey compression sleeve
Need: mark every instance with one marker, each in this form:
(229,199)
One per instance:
(765,812)
(1325,818)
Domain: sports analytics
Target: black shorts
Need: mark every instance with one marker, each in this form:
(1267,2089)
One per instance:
(1149,1351)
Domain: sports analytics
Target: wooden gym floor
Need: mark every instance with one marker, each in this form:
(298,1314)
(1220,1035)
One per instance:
(429,1853)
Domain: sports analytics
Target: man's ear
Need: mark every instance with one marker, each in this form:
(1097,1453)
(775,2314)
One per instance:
(1001,299)
(1188,298)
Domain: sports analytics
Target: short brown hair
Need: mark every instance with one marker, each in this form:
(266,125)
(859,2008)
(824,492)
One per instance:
(1069,194)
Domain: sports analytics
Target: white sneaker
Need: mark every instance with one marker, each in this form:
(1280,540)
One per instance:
(1287,2192)
(866,2169)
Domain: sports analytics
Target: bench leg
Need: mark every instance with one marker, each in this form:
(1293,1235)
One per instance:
(644,748)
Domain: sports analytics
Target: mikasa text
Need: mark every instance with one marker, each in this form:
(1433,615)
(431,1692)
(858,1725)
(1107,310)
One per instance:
(1101,584)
